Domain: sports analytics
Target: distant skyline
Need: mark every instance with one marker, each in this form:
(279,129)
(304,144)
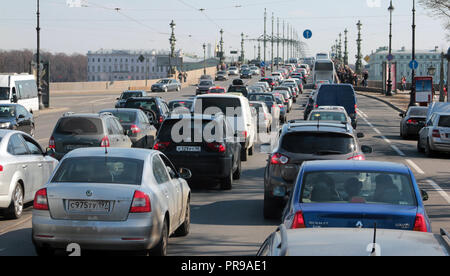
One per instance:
(144,24)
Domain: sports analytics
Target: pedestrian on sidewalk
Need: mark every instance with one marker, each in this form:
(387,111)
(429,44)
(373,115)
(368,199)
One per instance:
(185,76)
(403,83)
(180,76)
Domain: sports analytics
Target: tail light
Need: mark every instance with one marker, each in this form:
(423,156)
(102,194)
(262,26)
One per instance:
(135,129)
(141,203)
(436,133)
(161,145)
(161,119)
(299,221)
(279,159)
(420,224)
(412,122)
(356,106)
(357,158)
(40,200)
(51,143)
(1,168)
(105,142)
(217,147)
(317,106)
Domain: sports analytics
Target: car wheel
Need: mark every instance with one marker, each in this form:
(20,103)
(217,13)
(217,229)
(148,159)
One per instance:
(272,209)
(419,148)
(250,151)
(184,228)
(161,248)
(227,182)
(237,173)
(244,155)
(15,209)
(428,151)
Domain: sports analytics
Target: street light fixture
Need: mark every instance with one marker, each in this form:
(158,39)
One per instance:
(38,59)
(204,59)
(412,95)
(431,70)
(389,85)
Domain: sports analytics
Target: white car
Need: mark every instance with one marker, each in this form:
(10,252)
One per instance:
(264,118)
(240,118)
(279,76)
(264,84)
(233,71)
(24,169)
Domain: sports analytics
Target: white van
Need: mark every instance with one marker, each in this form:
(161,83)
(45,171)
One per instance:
(20,89)
(239,116)
(321,56)
(324,70)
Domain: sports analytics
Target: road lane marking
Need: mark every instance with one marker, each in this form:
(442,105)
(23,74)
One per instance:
(415,167)
(9,228)
(439,190)
(398,150)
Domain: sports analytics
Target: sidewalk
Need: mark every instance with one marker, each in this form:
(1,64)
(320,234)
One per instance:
(399,101)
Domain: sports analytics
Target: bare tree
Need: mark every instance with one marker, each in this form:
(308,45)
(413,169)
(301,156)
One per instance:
(440,8)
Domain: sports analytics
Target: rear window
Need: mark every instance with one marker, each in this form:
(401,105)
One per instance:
(318,143)
(221,103)
(261,98)
(186,104)
(193,132)
(80,126)
(444,121)
(143,105)
(358,187)
(418,112)
(128,95)
(328,116)
(238,89)
(217,90)
(125,117)
(321,66)
(104,170)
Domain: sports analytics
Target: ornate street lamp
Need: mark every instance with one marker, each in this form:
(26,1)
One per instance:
(389,85)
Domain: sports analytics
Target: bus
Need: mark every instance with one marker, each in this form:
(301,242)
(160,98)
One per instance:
(20,89)
(324,70)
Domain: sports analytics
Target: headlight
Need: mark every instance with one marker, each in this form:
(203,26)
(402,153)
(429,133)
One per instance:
(5,125)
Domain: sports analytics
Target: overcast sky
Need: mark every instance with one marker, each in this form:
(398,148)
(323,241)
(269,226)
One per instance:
(144,24)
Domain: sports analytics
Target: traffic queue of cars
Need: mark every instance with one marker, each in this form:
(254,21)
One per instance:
(121,179)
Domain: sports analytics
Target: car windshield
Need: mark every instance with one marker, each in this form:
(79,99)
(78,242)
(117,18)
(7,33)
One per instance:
(221,103)
(143,105)
(7,112)
(205,83)
(79,126)
(328,116)
(164,81)
(128,95)
(318,143)
(444,121)
(125,117)
(100,170)
(358,187)
(418,112)
(4,93)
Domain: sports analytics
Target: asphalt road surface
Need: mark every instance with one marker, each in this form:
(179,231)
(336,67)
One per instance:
(231,223)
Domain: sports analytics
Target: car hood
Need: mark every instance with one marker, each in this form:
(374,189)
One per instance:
(7,120)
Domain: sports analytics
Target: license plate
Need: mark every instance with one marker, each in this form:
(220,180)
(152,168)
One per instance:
(74,147)
(188,149)
(89,206)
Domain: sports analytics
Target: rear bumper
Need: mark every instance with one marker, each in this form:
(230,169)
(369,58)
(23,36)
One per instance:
(412,130)
(440,146)
(95,235)
(216,167)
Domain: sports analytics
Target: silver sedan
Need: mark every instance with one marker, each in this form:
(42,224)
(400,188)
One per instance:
(24,169)
(122,199)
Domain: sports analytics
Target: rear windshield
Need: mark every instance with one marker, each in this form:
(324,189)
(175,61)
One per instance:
(328,116)
(238,89)
(186,104)
(168,133)
(7,112)
(321,66)
(261,98)
(128,95)
(79,126)
(125,117)
(444,121)
(205,83)
(418,112)
(358,187)
(143,105)
(221,103)
(318,143)
(104,170)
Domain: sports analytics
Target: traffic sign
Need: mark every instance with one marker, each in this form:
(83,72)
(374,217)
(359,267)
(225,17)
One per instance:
(307,34)
(367,59)
(263,64)
(390,57)
(414,64)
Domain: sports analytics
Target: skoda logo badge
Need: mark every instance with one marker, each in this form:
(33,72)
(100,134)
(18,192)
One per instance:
(359,224)
(89,193)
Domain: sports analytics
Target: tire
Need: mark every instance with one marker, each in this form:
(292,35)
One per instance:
(184,228)
(244,155)
(161,248)
(271,209)
(237,173)
(32,131)
(166,90)
(428,151)
(250,151)
(419,148)
(15,209)
(227,182)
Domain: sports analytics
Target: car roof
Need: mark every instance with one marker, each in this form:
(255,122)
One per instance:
(181,100)
(317,126)
(134,153)
(144,98)
(119,110)
(130,91)
(354,242)
(83,115)
(194,116)
(344,165)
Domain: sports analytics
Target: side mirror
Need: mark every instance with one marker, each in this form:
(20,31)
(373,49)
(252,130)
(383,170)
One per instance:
(14,99)
(127,132)
(424,195)
(49,152)
(21,116)
(401,115)
(366,149)
(360,135)
(185,173)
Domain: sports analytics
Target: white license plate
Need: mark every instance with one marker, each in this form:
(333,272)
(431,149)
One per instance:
(188,149)
(89,205)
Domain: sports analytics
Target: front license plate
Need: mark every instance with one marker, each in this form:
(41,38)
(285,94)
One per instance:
(89,206)
(188,149)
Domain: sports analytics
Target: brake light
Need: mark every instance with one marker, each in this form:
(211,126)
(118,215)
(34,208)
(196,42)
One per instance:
(412,122)
(51,143)
(105,142)
(135,129)
(1,168)
(299,221)
(141,203)
(420,224)
(218,147)
(161,145)
(161,119)
(279,159)
(436,133)
(357,158)
(40,200)
(317,106)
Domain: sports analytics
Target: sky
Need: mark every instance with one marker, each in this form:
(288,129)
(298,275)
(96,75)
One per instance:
(144,24)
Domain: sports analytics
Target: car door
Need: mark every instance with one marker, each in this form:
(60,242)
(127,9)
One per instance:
(112,133)
(166,188)
(42,167)
(177,187)
(148,129)
(23,164)
(23,119)
(123,140)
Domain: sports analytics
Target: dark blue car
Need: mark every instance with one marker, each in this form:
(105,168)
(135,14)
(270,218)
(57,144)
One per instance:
(349,194)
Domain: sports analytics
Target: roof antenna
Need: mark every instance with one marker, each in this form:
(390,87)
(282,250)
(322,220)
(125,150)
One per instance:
(374,253)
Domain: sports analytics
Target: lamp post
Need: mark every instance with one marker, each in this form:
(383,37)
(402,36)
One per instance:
(441,79)
(448,72)
(346,48)
(38,59)
(358,42)
(222,54)
(389,84)
(204,59)
(412,95)
(172,41)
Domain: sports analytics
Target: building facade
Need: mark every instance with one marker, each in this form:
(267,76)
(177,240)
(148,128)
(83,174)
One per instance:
(116,65)
(425,58)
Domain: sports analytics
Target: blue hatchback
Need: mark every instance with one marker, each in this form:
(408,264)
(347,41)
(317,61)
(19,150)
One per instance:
(351,194)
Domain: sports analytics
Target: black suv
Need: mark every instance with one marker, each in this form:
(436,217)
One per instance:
(15,116)
(301,141)
(129,94)
(73,131)
(217,156)
(155,108)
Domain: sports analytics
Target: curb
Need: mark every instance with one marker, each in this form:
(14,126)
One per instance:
(383,101)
